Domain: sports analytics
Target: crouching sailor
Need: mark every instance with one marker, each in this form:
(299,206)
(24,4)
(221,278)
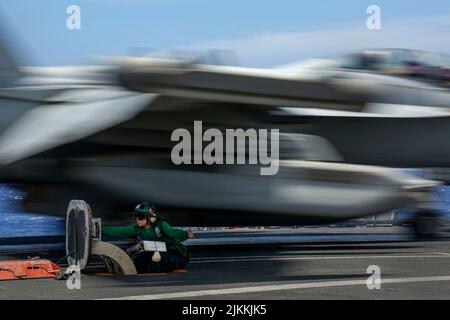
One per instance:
(149,226)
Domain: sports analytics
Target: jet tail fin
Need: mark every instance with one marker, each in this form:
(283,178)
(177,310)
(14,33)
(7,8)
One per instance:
(9,72)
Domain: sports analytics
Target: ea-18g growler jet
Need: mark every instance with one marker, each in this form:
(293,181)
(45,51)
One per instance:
(105,134)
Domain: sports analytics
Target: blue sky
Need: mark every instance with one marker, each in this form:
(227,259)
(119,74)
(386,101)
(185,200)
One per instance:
(262,33)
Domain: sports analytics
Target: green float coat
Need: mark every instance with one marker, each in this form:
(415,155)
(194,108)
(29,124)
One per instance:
(171,236)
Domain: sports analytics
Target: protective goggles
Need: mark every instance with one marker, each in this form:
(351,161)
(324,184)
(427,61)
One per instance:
(140,216)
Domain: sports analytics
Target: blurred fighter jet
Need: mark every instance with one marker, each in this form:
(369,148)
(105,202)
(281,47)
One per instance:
(103,134)
(369,112)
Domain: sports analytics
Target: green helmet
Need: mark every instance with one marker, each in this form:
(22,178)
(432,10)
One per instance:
(145,210)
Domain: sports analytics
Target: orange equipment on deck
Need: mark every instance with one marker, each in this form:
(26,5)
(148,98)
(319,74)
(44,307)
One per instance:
(28,269)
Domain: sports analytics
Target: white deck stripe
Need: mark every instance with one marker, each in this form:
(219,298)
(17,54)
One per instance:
(271,258)
(199,293)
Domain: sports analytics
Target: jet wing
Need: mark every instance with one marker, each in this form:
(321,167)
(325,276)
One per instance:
(263,87)
(50,125)
(338,90)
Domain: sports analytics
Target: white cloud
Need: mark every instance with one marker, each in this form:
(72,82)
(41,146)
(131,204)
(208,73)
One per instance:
(431,33)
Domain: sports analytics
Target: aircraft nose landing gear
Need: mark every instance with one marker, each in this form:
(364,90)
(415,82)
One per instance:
(426,224)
